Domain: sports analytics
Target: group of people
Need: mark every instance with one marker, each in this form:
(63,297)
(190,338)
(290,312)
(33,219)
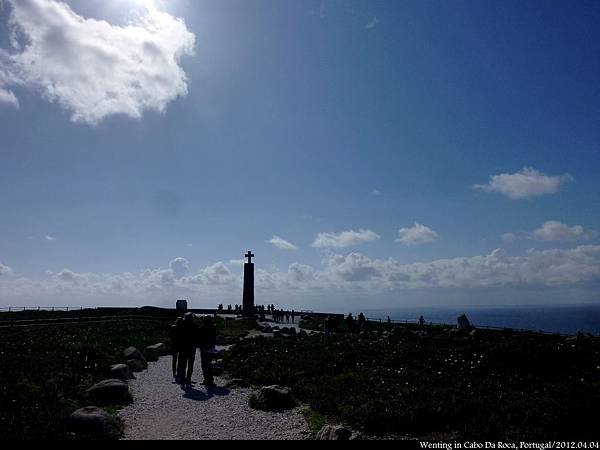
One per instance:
(280,316)
(186,336)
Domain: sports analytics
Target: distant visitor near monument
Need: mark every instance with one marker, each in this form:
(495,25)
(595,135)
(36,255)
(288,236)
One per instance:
(248,295)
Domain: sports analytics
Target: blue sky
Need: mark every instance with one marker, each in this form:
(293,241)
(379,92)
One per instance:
(398,146)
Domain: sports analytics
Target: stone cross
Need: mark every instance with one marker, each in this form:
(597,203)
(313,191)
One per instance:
(249,255)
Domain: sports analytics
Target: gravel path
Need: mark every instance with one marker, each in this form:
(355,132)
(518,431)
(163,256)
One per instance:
(162,410)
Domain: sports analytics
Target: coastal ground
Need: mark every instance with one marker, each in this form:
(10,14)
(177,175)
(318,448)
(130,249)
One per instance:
(163,411)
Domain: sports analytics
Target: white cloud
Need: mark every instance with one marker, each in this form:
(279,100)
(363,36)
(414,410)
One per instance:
(556,231)
(50,238)
(509,237)
(236,262)
(526,184)
(419,234)
(217,274)
(376,192)
(8,97)
(282,244)
(543,268)
(180,267)
(372,23)
(94,69)
(301,273)
(344,239)
(347,279)
(5,270)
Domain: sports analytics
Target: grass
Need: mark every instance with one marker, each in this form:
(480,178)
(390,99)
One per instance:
(234,328)
(46,370)
(496,385)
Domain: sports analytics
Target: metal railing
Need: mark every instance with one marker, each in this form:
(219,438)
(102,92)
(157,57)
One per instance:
(42,308)
(485,327)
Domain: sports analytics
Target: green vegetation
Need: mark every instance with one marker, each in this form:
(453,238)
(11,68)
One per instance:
(430,382)
(234,328)
(45,370)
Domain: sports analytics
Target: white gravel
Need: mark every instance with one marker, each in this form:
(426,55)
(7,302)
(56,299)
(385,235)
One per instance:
(163,411)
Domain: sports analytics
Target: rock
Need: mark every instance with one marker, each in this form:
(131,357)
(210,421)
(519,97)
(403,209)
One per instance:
(474,332)
(267,330)
(463,323)
(222,340)
(273,398)
(95,422)
(275,328)
(302,333)
(110,392)
(334,433)
(133,353)
(293,331)
(285,330)
(153,352)
(277,334)
(136,365)
(121,372)
(217,370)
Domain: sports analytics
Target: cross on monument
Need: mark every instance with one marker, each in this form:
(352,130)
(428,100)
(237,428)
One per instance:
(249,255)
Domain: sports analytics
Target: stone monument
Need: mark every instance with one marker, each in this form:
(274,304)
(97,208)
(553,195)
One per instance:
(248,296)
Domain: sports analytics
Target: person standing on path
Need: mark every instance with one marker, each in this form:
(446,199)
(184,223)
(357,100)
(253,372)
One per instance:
(208,340)
(175,337)
(187,350)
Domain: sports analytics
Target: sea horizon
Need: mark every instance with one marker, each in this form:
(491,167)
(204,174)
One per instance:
(563,318)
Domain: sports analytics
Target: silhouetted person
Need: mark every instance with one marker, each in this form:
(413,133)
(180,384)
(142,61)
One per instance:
(421,321)
(208,340)
(361,321)
(187,350)
(350,323)
(175,336)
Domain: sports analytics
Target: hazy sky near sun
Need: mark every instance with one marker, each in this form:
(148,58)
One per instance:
(370,153)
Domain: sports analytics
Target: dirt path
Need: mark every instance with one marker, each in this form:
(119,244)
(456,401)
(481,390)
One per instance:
(162,410)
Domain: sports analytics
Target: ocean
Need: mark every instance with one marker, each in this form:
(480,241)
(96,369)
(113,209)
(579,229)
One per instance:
(565,319)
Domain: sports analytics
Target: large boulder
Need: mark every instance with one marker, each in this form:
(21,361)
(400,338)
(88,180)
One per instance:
(153,352)
(133,353)
(110,392)
(94,422)
(121,372)
(463,323)
(334,433)
(273,398)
(137,365)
